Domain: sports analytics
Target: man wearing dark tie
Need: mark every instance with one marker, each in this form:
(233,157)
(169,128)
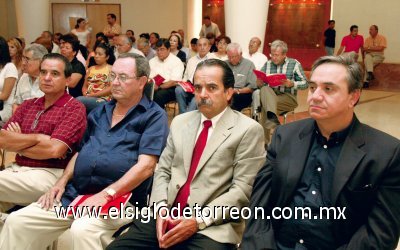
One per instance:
(331,161)
(211,158)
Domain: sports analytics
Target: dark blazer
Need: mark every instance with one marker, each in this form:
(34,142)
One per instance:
(366,182)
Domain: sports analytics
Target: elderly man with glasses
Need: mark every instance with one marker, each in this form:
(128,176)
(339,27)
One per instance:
(28,84)
(118,155)
(44,132)
(282,98)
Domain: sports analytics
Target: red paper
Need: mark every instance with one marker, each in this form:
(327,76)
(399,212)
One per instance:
(104,209)
(158,80)
(187,86)
(273,80)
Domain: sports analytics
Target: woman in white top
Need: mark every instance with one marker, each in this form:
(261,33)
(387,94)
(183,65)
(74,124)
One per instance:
(82,32)
(222,44)
(8,78)
(15,48)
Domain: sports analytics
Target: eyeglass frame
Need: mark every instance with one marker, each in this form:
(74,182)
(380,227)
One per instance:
(36,121)
(114,76)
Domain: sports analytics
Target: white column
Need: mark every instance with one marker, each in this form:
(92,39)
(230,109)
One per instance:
(32,18)
(194,18)
(246,19)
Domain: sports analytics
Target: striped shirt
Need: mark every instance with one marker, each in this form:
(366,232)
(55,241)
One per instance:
(293,70)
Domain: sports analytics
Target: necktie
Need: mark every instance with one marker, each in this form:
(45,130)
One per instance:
(184,192)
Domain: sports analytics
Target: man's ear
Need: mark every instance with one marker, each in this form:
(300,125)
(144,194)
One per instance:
(229,93)
(355,97)
(68,81)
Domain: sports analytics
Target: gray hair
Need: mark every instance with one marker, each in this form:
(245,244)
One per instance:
(354,72)
(38,51)
(143,41)
(234,46)
(125,39)
(279,44)
(142,64)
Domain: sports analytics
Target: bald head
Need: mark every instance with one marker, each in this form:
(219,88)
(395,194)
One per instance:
(254,45)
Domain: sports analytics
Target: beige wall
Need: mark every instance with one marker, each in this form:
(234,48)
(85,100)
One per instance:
(363,13)
(8,22)
(141,16)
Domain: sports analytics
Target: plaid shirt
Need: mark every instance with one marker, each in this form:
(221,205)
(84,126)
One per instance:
(293,70)
(65,121)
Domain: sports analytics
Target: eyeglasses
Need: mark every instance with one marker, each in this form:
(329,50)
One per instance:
(25,58)
(121,77)
(36,121)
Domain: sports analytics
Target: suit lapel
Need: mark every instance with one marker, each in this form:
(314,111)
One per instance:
(189,140)
(219,135)
(297,161)
(349,158)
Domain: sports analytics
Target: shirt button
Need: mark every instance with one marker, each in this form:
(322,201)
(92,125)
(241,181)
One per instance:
(108,135)
(301,241)
(313,192)
(177,186)
(319,169)
(325,147)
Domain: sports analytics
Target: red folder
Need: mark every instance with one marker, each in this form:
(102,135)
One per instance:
(273,80)
(158,80)
(187,86)
(104,209)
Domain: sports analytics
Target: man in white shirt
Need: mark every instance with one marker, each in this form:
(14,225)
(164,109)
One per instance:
(185,100)
(168,66)
(28,85)
(258,58)
(123,44)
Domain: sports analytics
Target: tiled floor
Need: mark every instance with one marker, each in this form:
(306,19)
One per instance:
(379,109)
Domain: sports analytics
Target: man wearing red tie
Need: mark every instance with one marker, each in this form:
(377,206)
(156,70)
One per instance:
(211,159)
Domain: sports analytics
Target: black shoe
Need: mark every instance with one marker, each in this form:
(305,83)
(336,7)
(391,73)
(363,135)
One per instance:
(370,76)
(366,85)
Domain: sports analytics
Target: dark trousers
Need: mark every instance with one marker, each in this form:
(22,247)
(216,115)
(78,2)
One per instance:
(164,96)
(241,101)
(143,236)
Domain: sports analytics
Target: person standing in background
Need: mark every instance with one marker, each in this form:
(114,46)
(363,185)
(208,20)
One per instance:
(330,35)
(82,32)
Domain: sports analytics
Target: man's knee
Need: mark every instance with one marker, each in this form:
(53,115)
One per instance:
(15,221)
(81,228)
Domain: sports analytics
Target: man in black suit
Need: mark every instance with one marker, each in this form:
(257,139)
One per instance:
(331,160)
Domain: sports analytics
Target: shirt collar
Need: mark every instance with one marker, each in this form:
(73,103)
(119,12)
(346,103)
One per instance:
(62,101)
(214,120)
(203,58)
(336,137)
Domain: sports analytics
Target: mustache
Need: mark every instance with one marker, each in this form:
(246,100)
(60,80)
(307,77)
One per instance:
(203,102)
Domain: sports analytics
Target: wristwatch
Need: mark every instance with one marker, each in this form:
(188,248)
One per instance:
(200,224)
(110,194)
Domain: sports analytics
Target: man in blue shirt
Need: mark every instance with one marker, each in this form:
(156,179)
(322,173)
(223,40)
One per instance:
(118,154)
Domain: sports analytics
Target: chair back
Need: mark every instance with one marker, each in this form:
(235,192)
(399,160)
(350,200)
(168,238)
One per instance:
(149,90)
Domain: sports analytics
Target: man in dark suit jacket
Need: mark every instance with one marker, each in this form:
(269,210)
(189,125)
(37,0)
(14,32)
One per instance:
(331,160)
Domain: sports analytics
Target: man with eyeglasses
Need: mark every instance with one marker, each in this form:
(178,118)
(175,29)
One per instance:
(123,44)
(118,154)
(258,58)
(44,132)
(169,67)
(283,98)
(28,85)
